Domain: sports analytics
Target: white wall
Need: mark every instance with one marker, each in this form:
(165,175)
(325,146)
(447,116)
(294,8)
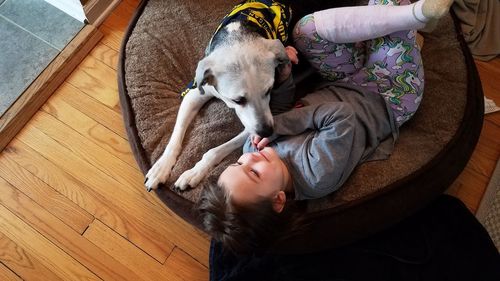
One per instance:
(71,7)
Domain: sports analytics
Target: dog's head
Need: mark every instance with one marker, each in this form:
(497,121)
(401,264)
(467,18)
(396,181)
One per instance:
(243,75)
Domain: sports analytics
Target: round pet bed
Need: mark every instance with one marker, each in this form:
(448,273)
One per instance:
(159,54)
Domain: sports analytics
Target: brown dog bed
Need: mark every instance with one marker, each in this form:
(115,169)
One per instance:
(159,54)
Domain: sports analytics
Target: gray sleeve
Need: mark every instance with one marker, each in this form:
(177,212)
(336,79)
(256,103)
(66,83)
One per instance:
(321,139)
(283,97)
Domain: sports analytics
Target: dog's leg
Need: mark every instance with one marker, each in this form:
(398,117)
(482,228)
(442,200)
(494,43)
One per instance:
(192,177)
(191,104)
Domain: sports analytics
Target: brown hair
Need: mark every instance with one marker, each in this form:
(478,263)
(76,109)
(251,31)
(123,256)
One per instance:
(244,228)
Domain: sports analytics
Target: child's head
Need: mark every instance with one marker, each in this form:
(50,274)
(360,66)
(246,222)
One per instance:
(246,208)
(255,177)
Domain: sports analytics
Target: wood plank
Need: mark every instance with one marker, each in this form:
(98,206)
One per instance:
(71,242)
(57,204)
(111,38)
(8,275)
(168,228)
(92,108)
(46,83)
(105,54)
(494,117)
(489,73)
(472,182)
(91,130)
(24,264)
(52,257)
(93,154)
(106,209)
(116,23)
(186,266)
(469,188)
(125,252)
(127,8)
(118,19)
(57,179)
(93,78)
(97,157)
(487,151)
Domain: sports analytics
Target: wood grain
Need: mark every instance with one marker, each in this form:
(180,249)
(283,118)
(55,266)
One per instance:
(48,198)
(7,274)
(184,266)
(106,187)
(51,256)
(472,182)
(102,136)
(106,54)
(73,154)
(58,233)
(132,196)
(92,108)
(24,264)
(93,77)
(133,257)
(105,209)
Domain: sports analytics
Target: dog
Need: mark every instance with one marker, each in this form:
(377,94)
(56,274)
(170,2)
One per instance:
(239,68)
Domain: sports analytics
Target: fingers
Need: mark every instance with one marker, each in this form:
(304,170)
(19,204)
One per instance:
(259,142)
(263,143)
(292,54)
(255,140)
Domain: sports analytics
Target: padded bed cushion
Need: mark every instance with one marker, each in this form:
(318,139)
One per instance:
(159,54)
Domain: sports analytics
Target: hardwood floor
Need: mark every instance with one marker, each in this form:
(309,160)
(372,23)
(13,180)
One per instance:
(472,182)
(72,204)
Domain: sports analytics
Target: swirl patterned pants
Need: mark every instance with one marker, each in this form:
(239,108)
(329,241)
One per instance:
(390,66)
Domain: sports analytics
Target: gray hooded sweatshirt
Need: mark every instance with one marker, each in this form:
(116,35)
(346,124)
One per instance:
(338,127)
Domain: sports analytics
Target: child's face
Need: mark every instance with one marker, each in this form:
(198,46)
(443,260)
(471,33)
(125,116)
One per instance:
(254,175)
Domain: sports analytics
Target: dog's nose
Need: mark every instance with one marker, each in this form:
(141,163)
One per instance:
(265,131)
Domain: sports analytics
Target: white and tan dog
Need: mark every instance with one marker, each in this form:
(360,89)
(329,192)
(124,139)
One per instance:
(239,69)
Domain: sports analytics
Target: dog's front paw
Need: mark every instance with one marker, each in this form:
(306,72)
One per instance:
(159,173)
(189,179)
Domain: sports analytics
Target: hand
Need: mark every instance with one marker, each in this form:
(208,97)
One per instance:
(259,142)
(292,54)
(286,70)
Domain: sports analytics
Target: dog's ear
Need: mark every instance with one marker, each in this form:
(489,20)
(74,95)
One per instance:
(277,48)
(204,74)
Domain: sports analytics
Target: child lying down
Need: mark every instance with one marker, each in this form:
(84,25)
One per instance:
(370,55)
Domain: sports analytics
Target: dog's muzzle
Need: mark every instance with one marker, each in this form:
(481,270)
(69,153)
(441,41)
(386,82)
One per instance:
(265,131)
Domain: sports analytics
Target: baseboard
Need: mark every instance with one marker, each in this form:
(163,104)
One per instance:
(14,119)
(98,10)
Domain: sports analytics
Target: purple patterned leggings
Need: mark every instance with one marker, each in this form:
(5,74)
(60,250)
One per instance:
(390,66)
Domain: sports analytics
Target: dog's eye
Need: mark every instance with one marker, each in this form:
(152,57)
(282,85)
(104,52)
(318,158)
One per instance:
(240,101)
